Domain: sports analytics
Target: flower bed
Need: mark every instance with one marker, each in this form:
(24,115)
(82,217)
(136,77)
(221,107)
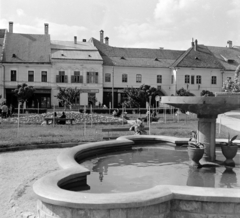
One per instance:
(79,118)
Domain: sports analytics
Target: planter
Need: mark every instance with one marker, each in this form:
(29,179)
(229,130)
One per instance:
(229,153)
(195,155)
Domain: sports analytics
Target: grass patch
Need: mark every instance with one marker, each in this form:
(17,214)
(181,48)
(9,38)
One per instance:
(37,134)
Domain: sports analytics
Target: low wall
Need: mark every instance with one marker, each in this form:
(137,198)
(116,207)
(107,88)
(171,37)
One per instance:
(169,209)
(158,202)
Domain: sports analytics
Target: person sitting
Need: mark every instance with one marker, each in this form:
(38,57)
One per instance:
(153,114)
(125,116)
(119,112)
(114,113)
(63,117)
(192,142)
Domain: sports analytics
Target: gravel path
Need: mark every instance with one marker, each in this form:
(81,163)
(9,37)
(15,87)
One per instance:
(18,171)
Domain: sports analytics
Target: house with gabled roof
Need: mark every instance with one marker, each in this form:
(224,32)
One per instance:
(47,65)
(204,68)
(77,64)
(132,67)
(26,59)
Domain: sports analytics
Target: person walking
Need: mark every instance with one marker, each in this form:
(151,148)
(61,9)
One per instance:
(4,111)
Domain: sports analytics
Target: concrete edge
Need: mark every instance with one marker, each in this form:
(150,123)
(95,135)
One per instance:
(48,191)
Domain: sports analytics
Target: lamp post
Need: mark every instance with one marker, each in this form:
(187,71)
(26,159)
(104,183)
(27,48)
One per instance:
(150,98)
(113,88)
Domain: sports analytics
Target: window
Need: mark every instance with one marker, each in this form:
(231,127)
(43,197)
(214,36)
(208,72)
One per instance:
(138,78)
(107,77)
(192,79)
(92,77)
(187,78)
(159,87)
(214,80)
(13,75)
(61,78)
(30,76)
(199,80)
(76,78)
(124,78)
(159,78)
(172,79)
(44,76)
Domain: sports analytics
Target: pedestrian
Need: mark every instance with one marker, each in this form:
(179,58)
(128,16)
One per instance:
(4,111)
(10,110)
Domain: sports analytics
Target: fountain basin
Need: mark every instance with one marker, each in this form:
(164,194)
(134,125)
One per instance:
(204,106)
(159,201)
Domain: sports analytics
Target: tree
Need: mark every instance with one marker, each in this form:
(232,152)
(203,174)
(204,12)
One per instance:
(67,96)
(184,92)
(137,97)
(206,93)
(23,92)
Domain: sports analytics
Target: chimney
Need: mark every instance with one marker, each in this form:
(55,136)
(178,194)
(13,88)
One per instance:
(106,40)
(229,42)
(10,27)
(195,45)
(101,36)
(46,28)
(192,43)
(75,39)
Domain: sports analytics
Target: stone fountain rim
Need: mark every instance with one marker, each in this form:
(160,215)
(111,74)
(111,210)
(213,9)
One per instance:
(48,191)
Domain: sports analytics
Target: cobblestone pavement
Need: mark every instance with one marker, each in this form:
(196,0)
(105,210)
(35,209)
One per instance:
(18,171)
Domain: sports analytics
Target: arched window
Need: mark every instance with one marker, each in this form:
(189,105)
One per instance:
(138,78)
(107,77)
(159,78)
(124,78)
(187,78)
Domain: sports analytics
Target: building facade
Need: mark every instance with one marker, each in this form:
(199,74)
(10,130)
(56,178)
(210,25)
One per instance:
(102,71)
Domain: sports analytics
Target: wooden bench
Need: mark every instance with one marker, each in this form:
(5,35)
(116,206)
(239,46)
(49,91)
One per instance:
(58,119)
(117,129)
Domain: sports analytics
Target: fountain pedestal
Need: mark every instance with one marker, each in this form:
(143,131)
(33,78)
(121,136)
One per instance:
(207,135)
(207,109)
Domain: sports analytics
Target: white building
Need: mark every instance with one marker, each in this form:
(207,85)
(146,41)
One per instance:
(199,68)
(47,65)
(101,70)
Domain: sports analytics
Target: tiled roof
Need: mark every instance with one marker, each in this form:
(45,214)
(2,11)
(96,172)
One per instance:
(70,50)
(201,58)
(75,55)
(2,32)
(223,54)
(27,48)
(136,57)
(70,45)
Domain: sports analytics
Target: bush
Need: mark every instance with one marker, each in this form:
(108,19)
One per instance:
(184,92)
(206,93)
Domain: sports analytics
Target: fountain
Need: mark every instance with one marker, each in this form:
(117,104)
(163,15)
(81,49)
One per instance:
(207,110)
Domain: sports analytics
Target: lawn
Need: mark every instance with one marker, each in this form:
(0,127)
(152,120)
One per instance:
(38,134)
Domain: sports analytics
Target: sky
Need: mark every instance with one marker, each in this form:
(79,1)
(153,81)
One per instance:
(171,24)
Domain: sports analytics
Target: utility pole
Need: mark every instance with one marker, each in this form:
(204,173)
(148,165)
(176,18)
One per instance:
(113,88)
